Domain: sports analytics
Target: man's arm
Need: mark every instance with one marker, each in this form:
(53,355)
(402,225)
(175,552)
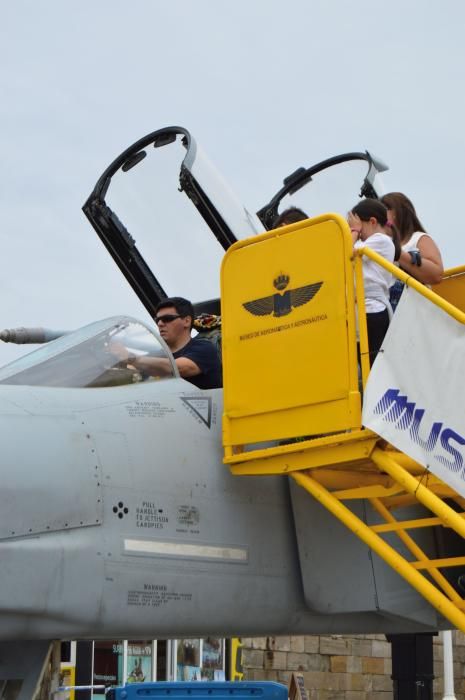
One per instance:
(161,366)
(153,366)
(187,367)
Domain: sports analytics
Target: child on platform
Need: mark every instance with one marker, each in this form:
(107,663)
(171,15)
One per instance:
(368,223)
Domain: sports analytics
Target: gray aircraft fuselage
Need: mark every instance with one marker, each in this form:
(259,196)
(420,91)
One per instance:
(119,519)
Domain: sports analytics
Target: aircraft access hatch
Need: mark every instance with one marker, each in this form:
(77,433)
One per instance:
(296,372)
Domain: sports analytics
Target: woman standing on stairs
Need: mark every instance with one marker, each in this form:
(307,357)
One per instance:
(420,256)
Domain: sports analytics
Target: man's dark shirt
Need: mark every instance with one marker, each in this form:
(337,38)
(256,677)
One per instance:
(205,356)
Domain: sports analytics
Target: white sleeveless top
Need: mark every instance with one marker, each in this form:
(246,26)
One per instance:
(412,243)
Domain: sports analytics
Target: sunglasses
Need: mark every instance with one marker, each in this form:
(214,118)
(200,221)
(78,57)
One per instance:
(166,318)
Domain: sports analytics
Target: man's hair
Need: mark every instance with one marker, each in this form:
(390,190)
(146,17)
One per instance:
(183,307)
(289,216)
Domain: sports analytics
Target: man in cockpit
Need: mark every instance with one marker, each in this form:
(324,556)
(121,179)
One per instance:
(196,358)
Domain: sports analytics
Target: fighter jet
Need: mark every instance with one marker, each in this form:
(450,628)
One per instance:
(118,516)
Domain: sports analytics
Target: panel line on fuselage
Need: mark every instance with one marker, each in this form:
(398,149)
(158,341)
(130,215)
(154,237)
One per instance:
(184,549)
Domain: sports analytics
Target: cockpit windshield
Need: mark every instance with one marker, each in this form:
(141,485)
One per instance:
(99,355)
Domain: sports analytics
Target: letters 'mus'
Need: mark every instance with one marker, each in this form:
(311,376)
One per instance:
(405,415)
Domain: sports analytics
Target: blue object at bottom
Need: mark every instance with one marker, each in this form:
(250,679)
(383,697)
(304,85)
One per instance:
(210,690)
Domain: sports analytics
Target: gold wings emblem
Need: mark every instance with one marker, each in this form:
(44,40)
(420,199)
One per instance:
(282,304)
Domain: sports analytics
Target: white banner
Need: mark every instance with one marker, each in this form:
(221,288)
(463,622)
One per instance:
(415,396)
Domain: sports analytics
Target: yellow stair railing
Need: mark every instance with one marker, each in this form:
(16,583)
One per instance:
(416,571)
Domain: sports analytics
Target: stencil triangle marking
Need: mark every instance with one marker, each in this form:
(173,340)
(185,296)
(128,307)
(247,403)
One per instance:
(201,406)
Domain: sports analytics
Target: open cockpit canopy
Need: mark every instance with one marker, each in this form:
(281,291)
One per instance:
(157,238)
(334,190)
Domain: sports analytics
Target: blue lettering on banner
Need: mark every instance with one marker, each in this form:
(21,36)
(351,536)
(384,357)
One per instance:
(405,415)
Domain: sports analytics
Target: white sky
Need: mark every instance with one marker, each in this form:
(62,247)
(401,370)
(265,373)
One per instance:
(264,86)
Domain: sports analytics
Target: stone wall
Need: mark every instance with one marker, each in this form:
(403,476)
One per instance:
(339,667)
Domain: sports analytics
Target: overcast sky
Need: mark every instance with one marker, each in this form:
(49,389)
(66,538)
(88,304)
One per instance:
(264,86)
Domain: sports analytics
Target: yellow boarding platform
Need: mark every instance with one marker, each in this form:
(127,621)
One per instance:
(452,287)
(293,379)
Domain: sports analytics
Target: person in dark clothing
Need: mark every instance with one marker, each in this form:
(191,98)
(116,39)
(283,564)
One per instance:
(196,358)
(289,216)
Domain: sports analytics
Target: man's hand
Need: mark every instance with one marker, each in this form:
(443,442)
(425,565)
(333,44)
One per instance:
(118,350)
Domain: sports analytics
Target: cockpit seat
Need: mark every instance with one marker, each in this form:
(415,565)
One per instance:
(208,326)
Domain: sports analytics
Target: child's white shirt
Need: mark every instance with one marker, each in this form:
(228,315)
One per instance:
(376,279)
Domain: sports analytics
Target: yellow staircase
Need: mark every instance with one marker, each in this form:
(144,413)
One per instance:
(293,381)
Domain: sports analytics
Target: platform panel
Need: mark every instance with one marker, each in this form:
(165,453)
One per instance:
(452,289)
(289,347)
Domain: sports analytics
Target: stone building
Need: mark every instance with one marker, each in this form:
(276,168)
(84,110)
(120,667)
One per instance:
(339,667)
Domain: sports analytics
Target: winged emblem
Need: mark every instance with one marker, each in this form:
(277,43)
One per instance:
(282,302)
